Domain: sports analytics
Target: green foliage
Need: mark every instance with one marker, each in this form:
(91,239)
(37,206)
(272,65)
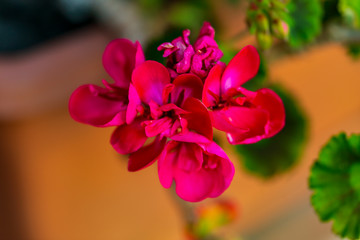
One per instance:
(151,7)
(189,14)
(354,50)
(350,11)
(330,10)
(268,19)
(305,21)
(281,152)
(335,180)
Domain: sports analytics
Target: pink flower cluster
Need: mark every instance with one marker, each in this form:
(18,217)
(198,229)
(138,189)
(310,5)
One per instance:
(168,113)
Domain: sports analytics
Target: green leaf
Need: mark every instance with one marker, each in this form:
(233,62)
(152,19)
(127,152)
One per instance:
(331,11)
(354,50)
(335,181)
(304,21)
(187,15)
(277,154)
(350,11)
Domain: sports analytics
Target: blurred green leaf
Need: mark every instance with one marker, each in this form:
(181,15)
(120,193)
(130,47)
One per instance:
(335,180)
(331,10)
(151,6)
(277,154)
(304,21)
(187,15)
(350,11)
(354,50)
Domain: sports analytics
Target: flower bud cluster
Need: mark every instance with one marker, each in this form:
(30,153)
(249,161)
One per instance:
(268,19)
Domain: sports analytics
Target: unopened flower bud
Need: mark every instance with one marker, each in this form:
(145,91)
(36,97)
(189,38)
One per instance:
(281,29)
(262,22)
(264,40)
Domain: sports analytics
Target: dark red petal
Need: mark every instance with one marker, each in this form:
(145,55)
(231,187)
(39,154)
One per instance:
(129,138)
(146,155)
(198,117)
(186,85)
(240,69)
(268,100)
(93,105)
(149,80)
(119,59)
(212,86)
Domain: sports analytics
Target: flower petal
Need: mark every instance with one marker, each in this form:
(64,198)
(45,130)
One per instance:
(186,85)
(120,58)
(155,127)
(134,103)
(194,183)
(272,103)
(149,80)
(240,69)
(96,106)
(250,122)
(146,155)
(212,86)
(129,138)
(198,117)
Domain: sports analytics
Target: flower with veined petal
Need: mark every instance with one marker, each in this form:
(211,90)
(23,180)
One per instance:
(158,108)
(246,116)
(103,107)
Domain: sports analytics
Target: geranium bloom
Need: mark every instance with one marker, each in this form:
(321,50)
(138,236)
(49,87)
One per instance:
(245,116)
(200,170)
(158,108)
(198,58)
(158,111)
(102,107)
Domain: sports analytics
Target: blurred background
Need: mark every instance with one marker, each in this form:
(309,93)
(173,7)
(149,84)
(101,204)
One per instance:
(61,180)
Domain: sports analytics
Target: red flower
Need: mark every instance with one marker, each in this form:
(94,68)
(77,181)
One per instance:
(102,107)
(160,109)
(246,117)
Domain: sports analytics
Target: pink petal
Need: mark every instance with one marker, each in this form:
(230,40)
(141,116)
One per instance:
(119,60)
(195,183)
(191,137)
(155,127)
(128,138)
(146,156)
(221,122)
(149,80)
(184,65)
(134,103)
(165,164)
(253,120)
(198,117)
(207,29)
(91,104)
(139,57)
(211,92)
(186,85)
(240,69)
(268,100)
